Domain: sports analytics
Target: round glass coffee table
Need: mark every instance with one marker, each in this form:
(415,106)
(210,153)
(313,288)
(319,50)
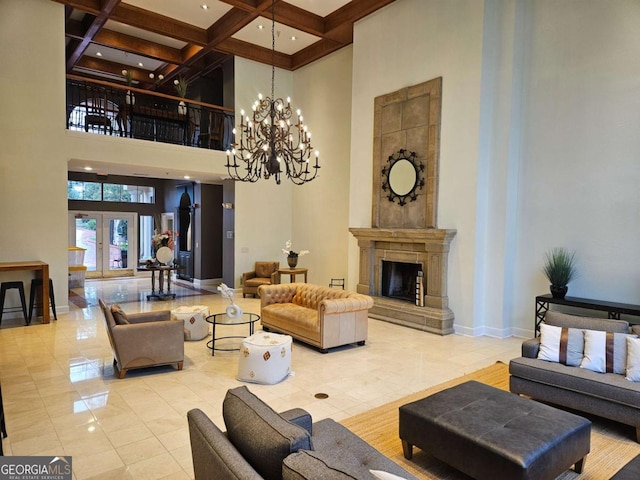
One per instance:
(220,319)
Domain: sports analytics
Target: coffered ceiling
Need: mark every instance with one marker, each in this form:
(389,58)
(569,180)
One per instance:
(191,38)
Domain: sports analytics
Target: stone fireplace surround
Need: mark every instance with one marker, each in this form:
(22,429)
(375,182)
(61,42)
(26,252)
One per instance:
(407,119)
(427,247)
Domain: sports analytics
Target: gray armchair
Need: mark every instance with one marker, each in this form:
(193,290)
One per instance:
(143,339)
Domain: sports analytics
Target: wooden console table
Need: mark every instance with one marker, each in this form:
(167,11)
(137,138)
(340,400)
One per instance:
(613,309)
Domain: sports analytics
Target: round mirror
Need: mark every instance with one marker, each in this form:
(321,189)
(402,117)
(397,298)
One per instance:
(402,177)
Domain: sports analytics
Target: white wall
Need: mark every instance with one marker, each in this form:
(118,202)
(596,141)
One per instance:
(33,168)
(263,210)
(313,216)
(320,208)
(428,39)
(580,176)
(539,147)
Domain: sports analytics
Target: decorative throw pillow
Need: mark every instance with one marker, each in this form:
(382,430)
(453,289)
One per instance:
(605,352)
(561,345)
(633,359)
(262,436)
(305,465)
(381,475)
(118,315)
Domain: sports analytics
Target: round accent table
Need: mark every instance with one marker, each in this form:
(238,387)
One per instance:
(293,273)
(218,319)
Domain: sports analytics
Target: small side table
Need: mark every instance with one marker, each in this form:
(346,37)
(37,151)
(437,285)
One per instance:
(292,272)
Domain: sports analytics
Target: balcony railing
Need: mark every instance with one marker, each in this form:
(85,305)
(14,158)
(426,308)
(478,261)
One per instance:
(109,109)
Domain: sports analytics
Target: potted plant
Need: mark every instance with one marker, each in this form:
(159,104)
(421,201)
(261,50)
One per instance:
(129,98)
(560,269)
(181,88)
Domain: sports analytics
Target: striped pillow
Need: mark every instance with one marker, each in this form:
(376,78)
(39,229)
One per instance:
(605,352)
(561,344)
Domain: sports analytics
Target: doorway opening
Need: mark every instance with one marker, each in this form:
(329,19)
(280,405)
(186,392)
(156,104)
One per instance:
(109,242)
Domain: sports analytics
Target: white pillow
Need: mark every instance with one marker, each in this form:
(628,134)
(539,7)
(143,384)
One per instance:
(561,345)
(380,475)
(633,359)
(596,357)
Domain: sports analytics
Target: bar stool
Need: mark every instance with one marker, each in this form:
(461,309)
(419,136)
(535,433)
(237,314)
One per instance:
(4,286)
(35,284)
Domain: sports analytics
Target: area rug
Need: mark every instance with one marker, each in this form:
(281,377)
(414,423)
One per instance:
(612,444)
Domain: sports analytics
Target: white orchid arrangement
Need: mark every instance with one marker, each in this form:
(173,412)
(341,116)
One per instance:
(226,292)
(291,253)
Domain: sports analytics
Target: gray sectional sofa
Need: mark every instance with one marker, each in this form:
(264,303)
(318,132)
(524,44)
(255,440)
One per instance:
(262,444)
(609,395)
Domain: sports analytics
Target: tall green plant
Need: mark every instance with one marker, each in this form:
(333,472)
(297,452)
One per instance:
(181,86)
(560,266)
(128,77)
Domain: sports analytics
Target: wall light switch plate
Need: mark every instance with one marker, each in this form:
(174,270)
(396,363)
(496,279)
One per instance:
(229,233)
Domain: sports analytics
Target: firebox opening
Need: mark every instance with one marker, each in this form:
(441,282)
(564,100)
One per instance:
(399,280)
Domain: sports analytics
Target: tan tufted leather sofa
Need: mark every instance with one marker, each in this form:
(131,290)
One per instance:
(320,316)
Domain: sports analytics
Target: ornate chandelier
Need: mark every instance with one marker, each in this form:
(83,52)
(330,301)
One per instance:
(269,142)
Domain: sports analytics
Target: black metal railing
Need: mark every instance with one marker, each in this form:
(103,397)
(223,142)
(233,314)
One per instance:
(110,109)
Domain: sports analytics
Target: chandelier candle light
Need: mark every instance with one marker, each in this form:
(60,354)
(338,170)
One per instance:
(270,142)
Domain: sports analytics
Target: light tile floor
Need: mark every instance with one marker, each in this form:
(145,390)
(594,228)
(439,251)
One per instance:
(61,396)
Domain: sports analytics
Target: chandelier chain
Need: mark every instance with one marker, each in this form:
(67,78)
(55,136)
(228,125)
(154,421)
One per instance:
(273,49)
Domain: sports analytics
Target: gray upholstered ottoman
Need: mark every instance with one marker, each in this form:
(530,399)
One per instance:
(491,434)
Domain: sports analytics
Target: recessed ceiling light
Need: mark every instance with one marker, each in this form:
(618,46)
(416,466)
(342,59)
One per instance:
(204,6)
(293,37)
(88,169)
(260,27)
(187,177)
(140,64)
(98,54)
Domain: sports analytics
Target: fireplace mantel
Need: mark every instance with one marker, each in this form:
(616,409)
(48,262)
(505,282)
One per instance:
(413,235)
(427,247)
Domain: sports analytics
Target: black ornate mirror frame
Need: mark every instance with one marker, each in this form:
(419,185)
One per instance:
(411,194)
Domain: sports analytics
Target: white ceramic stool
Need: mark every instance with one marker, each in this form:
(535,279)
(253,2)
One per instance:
(265,358)
(195,325)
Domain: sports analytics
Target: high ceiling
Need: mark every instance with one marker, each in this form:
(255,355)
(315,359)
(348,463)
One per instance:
(183,38)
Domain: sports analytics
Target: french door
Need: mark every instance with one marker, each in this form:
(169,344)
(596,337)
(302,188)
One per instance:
(109,240)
